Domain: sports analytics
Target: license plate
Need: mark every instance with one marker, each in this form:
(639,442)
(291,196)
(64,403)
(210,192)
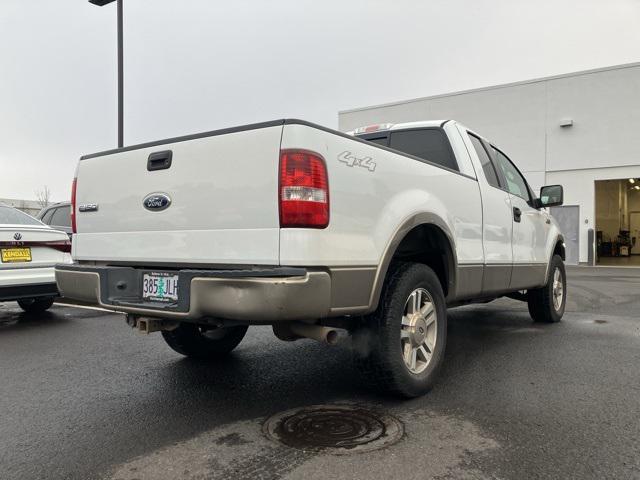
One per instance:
(14,255)
(162,287)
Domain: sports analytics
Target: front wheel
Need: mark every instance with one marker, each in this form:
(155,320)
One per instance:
(399,348)
(35,305)
(203,343)
(546,304)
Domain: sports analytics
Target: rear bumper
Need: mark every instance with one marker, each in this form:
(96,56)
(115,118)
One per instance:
(27,282)
(36,290)
(27,275)
(253,296)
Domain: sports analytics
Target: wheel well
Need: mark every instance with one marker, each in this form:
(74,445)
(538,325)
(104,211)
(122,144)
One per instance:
(428,244)
(559,249)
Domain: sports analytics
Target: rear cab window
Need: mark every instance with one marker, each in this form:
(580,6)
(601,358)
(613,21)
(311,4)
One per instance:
(379,139)
(429,144)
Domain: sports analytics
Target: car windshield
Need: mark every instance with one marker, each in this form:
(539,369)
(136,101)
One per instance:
(11,216)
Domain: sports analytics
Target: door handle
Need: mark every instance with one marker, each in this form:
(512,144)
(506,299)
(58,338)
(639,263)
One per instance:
(517,214)
(159,160)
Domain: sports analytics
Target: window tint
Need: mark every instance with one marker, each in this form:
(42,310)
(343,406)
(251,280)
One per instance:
(516,183)
(61,217)
(485,161)
(11,216)
(429,144)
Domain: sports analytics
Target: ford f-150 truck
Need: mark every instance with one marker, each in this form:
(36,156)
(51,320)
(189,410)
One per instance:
(310,230)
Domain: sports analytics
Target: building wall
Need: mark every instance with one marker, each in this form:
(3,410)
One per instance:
(524,119)
(27,206)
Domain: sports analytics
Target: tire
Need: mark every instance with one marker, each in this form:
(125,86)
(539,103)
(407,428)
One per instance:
(194,341)
(544,304)
(36,305)
(380,342)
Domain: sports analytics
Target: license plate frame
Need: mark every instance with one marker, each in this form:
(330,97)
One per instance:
(16,255)
(160,287)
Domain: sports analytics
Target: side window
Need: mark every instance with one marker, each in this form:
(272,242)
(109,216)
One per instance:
(46,218)
(61,217)
(428,144)
(516,184)
(487,166)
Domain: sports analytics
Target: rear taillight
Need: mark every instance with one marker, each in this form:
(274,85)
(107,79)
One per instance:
(73,205)
(62,246)
(304,190)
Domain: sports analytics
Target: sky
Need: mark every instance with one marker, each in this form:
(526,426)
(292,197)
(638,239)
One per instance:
(198,65)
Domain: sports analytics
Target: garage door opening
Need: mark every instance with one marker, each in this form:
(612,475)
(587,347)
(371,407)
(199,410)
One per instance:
(618,222)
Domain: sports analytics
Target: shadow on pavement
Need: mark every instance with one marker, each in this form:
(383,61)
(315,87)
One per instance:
(18,320)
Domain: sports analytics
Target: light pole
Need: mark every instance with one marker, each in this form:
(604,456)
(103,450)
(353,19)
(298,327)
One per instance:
(102,3)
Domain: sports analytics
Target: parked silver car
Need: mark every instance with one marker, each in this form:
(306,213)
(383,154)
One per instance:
(58,216)
(28,252)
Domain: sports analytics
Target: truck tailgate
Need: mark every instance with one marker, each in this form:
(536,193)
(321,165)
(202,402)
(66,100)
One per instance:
(223,191)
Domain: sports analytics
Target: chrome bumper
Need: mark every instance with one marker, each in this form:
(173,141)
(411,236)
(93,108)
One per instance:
(252,296)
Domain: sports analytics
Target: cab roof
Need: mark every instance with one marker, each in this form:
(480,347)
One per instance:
(385,127)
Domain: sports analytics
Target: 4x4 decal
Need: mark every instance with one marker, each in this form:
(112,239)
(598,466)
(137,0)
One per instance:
(352,161)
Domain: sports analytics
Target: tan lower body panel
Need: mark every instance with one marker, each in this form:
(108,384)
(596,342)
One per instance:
(253,300)
(318,294)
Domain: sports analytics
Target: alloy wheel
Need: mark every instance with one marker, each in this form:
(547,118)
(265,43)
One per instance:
(418,332)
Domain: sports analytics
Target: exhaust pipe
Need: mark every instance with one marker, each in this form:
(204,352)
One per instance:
(319,333)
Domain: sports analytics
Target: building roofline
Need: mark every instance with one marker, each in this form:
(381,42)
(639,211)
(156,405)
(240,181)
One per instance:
(495,87)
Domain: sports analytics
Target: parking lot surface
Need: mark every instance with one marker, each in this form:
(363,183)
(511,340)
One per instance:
(83,397)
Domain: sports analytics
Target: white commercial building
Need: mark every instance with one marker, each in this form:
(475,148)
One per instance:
(580,130)
(32,207)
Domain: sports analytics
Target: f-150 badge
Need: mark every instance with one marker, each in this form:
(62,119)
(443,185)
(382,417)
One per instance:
(351,160)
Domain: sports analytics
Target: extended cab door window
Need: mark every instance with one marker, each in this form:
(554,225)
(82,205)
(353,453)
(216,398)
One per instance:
(487,166)
(430,144)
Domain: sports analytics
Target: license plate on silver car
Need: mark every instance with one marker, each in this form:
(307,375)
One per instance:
(160,286)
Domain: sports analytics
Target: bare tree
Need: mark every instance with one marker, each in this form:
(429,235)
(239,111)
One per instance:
(43,196)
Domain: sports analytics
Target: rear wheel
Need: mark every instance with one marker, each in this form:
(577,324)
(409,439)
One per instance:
(400,347)
(202,342)
(35,305)
(546,304)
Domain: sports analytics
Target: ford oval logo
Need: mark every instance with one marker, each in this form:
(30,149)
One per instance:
(156,201)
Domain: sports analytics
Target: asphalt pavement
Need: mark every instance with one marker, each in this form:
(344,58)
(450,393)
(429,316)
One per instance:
(82,396)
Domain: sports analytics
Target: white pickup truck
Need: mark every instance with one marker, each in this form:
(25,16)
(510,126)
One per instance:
(311,230)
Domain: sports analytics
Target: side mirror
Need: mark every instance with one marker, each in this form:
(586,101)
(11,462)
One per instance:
(551,196)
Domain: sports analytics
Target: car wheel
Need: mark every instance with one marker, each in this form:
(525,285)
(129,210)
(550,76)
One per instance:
(204,343)
(399,348)
(546,304)
(35,305)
